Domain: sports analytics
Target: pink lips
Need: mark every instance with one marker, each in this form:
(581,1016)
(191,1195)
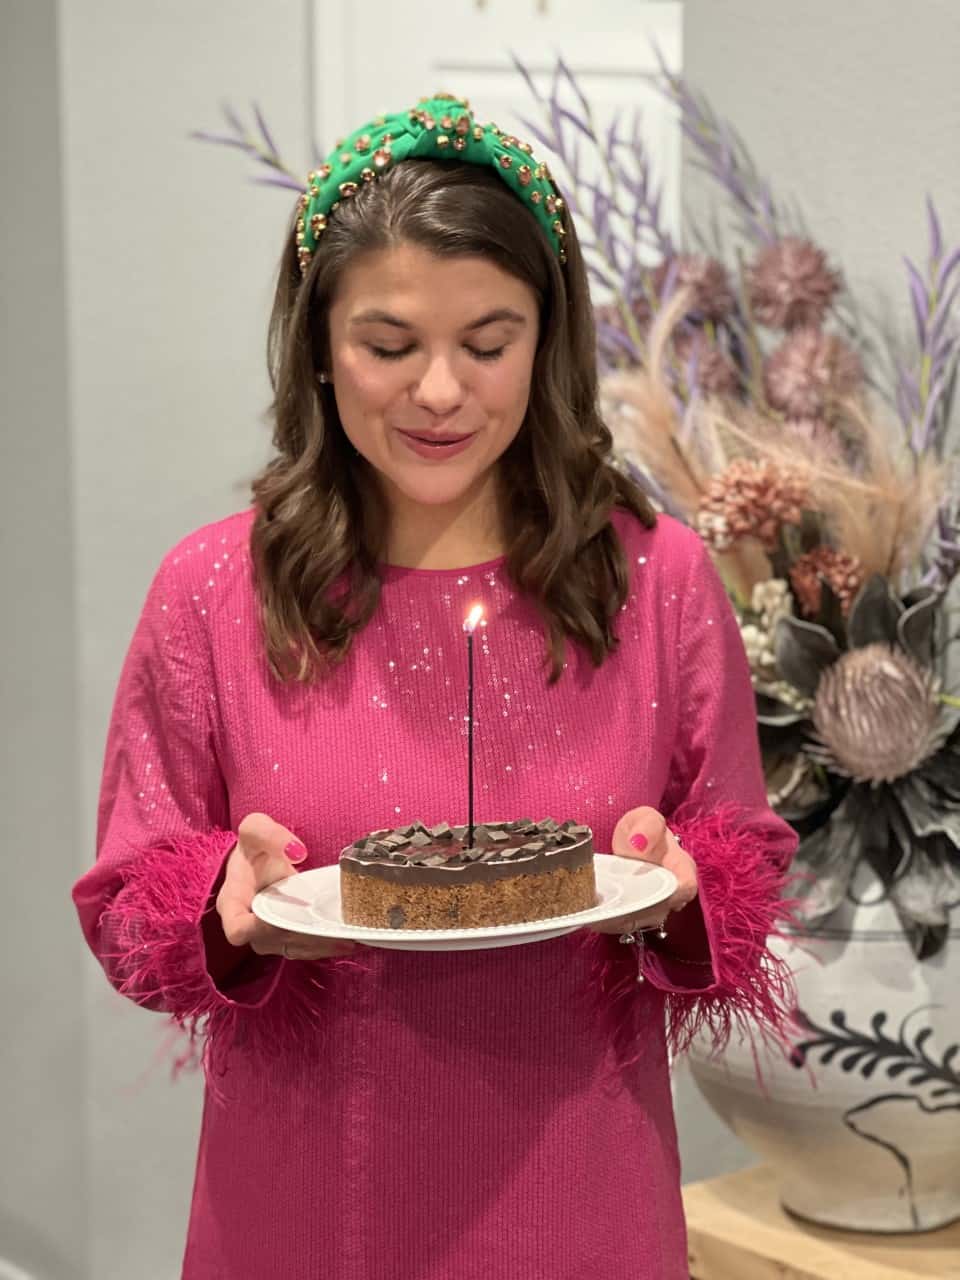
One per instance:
(437,446)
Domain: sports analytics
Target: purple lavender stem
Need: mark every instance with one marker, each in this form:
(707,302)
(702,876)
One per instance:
(244,141)
(929,392)
(265,132)
(288,184)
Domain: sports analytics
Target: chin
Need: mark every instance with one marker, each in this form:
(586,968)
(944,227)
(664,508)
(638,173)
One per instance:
(438,486)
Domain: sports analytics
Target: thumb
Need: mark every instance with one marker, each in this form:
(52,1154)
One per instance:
(271,849)
(640,833)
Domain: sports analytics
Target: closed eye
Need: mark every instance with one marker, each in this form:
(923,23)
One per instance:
(387,353)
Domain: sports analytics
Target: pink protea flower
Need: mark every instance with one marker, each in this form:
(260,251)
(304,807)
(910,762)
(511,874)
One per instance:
(819,439)
(843,574)
(706,277)
(808,371)
(716,374)
(609,313)
(876,713)
(751,500)
(790,284)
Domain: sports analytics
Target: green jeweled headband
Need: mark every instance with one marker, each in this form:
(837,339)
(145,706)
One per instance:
(439,128)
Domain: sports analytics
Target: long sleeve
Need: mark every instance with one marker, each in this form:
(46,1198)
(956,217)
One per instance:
(715,965)
(163,830)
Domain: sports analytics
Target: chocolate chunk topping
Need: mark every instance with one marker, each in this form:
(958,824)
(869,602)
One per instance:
(395,840)
(426,853)
(418,858)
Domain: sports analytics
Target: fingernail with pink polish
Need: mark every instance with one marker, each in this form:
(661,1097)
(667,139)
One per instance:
(639,841)
(295,851)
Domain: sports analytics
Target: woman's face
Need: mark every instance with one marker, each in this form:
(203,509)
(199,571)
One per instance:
(431,361)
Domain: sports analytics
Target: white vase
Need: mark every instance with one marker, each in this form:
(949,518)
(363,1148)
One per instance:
(863,1127)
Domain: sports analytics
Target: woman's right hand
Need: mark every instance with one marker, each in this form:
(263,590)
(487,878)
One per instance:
(265,853)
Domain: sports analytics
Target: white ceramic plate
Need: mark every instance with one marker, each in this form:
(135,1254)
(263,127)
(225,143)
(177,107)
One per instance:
(310,903)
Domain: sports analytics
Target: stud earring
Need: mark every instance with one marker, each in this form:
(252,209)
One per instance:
(323,378)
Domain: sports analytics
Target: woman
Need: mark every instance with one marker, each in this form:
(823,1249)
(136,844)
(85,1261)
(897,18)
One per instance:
(297,679)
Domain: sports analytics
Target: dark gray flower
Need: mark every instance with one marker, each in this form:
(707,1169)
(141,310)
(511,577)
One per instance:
(886,744)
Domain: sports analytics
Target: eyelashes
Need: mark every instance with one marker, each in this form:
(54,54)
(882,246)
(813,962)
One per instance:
(382,353)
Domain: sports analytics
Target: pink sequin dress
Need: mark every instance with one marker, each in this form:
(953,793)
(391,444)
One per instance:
(481,1115)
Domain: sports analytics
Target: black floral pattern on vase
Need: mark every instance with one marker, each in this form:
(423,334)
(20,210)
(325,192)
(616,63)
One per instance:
(934,1085)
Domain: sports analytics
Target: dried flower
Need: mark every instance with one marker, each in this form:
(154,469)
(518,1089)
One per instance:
(705,277)
(842,573)
(770,601)
(751,500)
(616,336)
(817,438)
(792,781)
(790,284)
(711,369)
(809,371)
(876,712)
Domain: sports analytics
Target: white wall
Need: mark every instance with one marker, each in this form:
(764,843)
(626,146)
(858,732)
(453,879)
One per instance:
(41,1047)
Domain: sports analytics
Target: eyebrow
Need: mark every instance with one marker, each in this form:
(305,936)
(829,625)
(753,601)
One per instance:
(492,317)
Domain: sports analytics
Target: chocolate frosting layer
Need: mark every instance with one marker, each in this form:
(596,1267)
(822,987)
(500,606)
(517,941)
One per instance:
(418,854)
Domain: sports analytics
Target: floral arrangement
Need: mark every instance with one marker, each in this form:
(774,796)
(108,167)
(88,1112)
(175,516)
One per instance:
(752,400)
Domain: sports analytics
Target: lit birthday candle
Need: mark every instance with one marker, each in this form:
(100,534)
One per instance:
(473,620)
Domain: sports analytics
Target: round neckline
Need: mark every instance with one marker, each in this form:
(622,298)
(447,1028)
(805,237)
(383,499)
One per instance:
(391,572)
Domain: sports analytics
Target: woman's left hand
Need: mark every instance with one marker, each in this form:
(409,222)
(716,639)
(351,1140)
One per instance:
(643,833)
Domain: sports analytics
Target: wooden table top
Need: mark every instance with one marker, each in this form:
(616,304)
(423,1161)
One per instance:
(738,1231)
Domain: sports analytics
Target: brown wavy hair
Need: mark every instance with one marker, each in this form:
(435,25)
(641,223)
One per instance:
(320,530)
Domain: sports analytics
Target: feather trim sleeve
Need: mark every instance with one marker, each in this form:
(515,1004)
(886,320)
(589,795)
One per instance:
(715,967)
(163,833)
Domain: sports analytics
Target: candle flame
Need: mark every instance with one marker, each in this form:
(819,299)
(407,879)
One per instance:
(472,620)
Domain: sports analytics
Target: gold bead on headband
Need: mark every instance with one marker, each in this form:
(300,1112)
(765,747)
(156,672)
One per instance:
(439,128)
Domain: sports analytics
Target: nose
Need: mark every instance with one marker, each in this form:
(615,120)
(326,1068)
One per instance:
(439,390)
